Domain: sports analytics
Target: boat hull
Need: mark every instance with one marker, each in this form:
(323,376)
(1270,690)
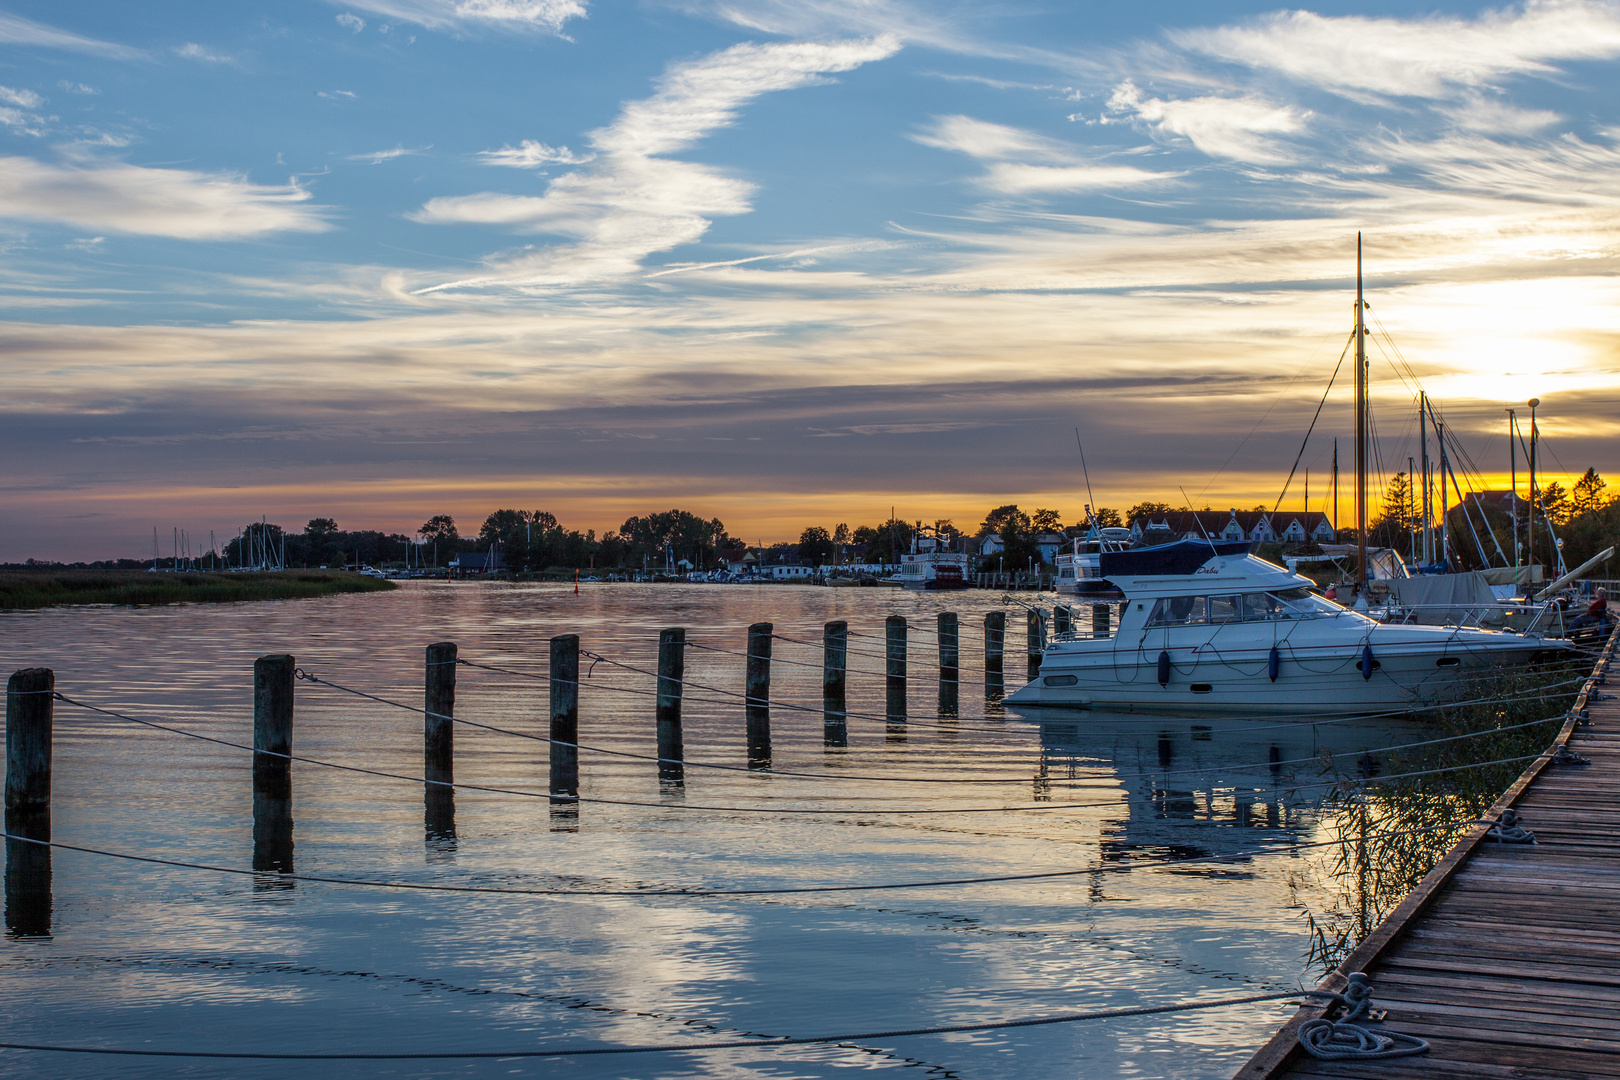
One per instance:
(1410,670)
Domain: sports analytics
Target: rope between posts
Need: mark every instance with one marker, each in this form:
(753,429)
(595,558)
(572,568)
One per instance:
(904,779)
(734,1044)
(506,890)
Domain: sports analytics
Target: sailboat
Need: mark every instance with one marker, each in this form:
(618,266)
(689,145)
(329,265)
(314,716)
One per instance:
(1209,627)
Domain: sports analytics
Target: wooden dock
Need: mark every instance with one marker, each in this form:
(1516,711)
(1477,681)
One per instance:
(1506,957)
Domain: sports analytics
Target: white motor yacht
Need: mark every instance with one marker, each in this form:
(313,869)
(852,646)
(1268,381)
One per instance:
(1079,572)
(1208,627)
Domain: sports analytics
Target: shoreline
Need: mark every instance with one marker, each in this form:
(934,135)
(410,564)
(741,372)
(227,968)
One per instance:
(32,590)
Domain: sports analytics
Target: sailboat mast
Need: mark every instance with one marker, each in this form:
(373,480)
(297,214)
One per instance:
(1428,490)
(1513,472)
(1335,489)
(1361,434)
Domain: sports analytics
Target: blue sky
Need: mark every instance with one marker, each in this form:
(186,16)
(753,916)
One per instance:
(781,263)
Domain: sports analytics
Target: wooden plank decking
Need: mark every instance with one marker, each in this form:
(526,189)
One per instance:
(1506,957)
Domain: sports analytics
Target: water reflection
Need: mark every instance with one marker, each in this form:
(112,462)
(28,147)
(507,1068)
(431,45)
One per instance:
(439,818)
(272,829)
(28,874)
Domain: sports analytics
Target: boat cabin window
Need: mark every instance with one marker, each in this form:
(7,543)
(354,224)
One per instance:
(1178,611)
(1225,608)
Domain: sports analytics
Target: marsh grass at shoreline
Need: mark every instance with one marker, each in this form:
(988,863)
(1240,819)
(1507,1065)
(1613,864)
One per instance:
(25,589)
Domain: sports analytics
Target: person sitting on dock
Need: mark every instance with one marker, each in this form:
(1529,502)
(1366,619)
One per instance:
(1597,612)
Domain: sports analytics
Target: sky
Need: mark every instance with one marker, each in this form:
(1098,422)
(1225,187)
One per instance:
(781,263)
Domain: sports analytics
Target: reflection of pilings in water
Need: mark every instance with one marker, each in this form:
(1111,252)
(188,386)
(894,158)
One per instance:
(28,874)
(439,817)
(950,659)
(834,659)
(995,639)
(273,828)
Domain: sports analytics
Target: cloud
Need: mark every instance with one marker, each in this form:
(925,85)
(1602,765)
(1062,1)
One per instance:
(377,157)
(1229,127)
(1434,57)
(546,16)
(334,94)
(118,197)
(16,30)
(631,201)
(532,155)
(352,21)
(1021,162)
(27,99)
(193,51)
(77,88)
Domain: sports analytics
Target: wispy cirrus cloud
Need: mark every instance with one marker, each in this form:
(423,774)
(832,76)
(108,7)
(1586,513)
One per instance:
(631,200)
(1426,57)
(15,30)
(1019,162)
(377,157)
(1242,128)
(531,155)
(202,53)
(115,196)
(544,16)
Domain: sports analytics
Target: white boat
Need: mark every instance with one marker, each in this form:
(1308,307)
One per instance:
(1207,627)
(919,568)
(1078,570)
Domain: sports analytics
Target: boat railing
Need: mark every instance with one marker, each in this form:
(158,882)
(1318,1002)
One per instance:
(1541,619)
(1084,633)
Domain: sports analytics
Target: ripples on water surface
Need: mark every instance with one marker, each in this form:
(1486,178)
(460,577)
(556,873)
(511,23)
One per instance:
(162,958)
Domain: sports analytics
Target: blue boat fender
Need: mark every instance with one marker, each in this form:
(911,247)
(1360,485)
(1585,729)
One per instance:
(1164,668)
(1273,663)
(1366,664)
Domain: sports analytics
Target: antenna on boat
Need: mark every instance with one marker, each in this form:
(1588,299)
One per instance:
(1092,505)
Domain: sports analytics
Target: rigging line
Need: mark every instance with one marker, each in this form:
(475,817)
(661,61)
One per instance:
(1283,393)
(783,660)
(1314,418)
(512,890)
(672,1048)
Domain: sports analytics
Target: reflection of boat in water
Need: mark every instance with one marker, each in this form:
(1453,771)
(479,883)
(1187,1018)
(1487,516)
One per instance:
(1079,572)
(1199,788)
(1208,627)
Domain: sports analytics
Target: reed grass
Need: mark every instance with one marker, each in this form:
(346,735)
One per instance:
(23,589)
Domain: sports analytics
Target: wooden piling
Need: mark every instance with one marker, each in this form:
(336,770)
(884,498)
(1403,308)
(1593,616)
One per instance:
(438,706)
(757,693)
(1034,639)
(834,661)
(950,658)
(272,718)
(565,719)
(995,639)
(894,651)
(29,709)
(29,715)
(671,681)
(1101,616)
(1061,619)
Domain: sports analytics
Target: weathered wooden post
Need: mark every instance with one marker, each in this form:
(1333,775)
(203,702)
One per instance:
(1100,619)
(30,707)
(671,682)
(757,693)
(950,659)
(272,764)
(439,743)
(834,660)
(995,638)
(1034,639)
(1061,623)
(894,652)
(565,719)
(438,708)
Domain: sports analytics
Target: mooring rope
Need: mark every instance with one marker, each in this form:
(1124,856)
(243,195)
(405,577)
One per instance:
(1348,1037)
(786,890)
(668,1048)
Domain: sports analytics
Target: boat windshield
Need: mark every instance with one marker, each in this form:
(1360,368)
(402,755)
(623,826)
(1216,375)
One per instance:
(1241,607)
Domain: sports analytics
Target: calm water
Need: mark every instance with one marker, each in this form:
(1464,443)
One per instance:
(164,958)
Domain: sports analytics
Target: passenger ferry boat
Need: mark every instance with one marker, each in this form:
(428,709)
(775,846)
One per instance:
(1078,570)
(922,569)
(1206,626)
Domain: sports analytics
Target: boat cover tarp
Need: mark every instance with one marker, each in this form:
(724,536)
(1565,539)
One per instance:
(1447,599)
(1179,558)
(1515,575)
